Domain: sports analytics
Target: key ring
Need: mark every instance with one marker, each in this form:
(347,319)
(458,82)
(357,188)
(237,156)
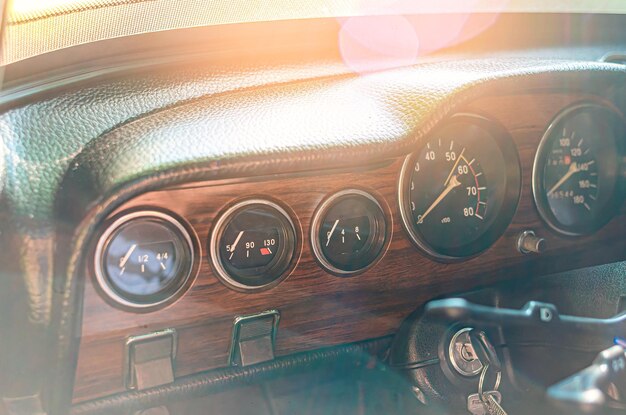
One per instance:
(481,381)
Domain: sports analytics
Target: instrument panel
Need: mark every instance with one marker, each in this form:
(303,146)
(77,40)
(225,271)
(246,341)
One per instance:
(288,242)
(457,193)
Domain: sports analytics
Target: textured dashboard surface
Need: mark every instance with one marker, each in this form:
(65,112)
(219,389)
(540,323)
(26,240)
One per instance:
(73,158)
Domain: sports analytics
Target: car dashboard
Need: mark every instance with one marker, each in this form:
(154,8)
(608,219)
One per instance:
(320,303)
(187,198)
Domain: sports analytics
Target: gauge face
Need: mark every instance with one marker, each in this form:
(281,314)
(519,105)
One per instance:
(576,169)
(348,232)
(459,191)
(143,259)
(253,245)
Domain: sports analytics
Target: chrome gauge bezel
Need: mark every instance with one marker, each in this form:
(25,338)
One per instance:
(382,237)
(608,211)
(292,243)
(112,295)
(510,202)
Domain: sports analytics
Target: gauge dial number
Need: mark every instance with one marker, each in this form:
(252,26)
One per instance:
(143,259)
(348,232)
(459,190)
(576,168)
(253,245)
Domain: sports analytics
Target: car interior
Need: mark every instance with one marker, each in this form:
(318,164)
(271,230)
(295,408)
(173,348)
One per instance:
(312,207)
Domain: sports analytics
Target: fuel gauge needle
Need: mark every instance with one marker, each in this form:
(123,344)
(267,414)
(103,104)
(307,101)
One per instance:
(124,260)
(573,169)
(232,248)
(330,234)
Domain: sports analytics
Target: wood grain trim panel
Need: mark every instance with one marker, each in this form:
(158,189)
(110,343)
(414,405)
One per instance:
(317,308)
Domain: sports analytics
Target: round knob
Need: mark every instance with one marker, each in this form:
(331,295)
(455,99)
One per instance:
(528,243)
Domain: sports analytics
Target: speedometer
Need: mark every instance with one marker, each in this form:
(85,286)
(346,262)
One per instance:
(575,174)
(459,190)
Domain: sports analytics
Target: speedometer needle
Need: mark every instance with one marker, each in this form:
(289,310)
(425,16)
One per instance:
(451,185)
(573,169)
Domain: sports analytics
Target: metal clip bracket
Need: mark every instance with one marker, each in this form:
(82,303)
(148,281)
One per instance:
(254,337)
(149,359)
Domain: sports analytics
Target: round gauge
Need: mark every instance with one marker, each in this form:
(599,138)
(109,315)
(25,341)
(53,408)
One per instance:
(459,190)
(144,259)
(576,169)
(348,232)
(253,245)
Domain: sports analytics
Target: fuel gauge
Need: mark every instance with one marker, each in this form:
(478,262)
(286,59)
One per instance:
(348,232)
(143,259)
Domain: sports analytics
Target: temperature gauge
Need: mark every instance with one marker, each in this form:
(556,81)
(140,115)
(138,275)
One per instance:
(253,245)
(143,259)
(348,232)
(251,249)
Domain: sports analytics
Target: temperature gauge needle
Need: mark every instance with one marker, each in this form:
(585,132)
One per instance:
(573,169)
(330,234)
(232,248)
(451,185)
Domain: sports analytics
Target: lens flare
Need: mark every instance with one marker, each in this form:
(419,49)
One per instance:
(404,31)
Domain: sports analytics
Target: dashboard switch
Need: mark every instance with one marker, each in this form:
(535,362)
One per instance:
(254,337)
(150,359)
(528,243)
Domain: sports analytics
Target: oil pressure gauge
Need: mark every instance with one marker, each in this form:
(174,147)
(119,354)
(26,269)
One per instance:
(348,232)
(253,245)
(144,259)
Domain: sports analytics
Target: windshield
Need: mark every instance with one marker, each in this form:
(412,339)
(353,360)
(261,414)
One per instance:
(34,27)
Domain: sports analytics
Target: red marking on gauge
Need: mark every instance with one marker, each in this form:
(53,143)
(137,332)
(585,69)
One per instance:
(265,251)
(477,186)
(567,160)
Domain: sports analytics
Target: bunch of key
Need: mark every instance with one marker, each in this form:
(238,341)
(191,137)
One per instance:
(486,402)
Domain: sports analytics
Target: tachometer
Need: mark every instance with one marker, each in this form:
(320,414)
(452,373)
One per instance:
(253,245)
(576,169)
(459,190)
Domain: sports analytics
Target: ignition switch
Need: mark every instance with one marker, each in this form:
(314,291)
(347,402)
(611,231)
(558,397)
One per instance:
(462,355)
